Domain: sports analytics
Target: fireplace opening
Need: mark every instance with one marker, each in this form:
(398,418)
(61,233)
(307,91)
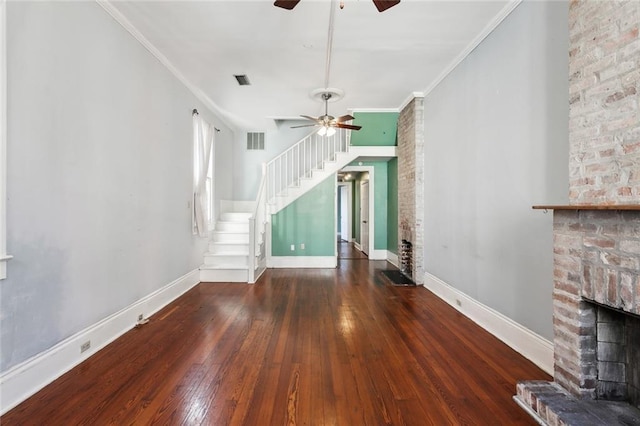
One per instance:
(406,258)
(617,355)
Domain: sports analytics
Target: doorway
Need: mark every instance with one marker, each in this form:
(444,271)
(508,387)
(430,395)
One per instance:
(359,174)
(347,229)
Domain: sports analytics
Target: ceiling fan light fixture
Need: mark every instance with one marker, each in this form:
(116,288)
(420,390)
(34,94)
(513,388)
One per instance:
(331,131)
(322,131)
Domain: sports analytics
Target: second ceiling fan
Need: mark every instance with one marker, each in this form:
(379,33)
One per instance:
(381,5)
(327,122)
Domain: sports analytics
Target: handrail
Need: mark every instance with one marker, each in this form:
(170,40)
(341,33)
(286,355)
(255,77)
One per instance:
(298,161)
(259,218)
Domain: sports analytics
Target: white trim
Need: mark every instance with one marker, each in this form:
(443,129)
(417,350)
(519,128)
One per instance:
(357,245)
(3,140)
(373,110)
(28,377)
(524,341)
(378,254)
(411,97)
(348,185)
(488,29)
(336,194)
(392,258)
(302,262)
(127,25)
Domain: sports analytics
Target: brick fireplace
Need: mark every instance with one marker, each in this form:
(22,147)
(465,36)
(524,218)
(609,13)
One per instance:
(596,295)
(596,301)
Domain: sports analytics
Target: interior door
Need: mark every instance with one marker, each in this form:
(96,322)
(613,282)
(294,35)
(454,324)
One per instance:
(364,217)
(344,214)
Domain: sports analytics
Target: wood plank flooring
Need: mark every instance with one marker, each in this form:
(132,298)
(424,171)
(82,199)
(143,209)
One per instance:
(300,347)
(347,250)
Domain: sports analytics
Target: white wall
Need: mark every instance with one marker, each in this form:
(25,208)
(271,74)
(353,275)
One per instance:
(247,164)
(99,174)
(496,143)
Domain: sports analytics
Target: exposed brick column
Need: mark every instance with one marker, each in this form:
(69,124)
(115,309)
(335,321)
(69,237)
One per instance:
(604,81)
(411,181)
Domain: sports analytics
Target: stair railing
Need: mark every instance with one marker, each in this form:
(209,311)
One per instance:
(257,231)
(299,161)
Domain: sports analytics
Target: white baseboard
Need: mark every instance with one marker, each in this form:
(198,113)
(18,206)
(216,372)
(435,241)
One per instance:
(378,255)
(28,377)
(357,245)
(524,341)
(302,262)
(392,258)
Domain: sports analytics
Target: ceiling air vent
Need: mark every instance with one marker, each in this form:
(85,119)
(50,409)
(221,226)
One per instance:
(255,141)
(242,80)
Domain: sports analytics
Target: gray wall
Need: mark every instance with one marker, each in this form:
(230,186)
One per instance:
(496,143)
(99,174)
(247,164)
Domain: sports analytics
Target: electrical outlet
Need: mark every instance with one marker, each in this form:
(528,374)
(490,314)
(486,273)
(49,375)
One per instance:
(301,246)
(293,247)
(85,346)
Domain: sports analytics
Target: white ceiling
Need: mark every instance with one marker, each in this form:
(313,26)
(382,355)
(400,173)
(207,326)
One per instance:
(378,59)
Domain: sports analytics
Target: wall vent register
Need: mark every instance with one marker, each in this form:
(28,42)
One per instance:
(255,141)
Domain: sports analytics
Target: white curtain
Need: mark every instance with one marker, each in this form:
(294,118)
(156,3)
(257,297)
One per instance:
(203,134)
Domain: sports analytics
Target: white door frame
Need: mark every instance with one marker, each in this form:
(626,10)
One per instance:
(364,220)
(373,253)
(348,185)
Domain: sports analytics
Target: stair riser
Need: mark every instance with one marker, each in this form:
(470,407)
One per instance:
(233,226)
(235,217)
(221,248)
(238,260)
(231,238)
(224,275)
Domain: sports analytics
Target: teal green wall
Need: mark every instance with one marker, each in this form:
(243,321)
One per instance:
(378,129)
(309,220)
(392,205)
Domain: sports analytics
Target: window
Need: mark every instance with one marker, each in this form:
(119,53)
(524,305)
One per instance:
(255,141)
(203,172)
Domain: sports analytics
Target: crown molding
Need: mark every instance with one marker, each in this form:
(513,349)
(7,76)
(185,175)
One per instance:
(488,29)
(373,110)
(199,94)
(411,97)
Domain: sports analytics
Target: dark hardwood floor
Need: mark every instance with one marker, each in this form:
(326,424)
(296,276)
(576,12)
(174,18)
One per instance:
(300,347)
(347,250)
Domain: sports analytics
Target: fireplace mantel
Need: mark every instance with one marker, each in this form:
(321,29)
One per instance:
(590,207)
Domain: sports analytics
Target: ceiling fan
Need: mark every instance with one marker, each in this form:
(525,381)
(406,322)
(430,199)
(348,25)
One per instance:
(381,5)
(328,123)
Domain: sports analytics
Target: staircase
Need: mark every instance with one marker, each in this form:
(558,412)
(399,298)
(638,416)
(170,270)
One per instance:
(310,161)
(227,257)
(237,247)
